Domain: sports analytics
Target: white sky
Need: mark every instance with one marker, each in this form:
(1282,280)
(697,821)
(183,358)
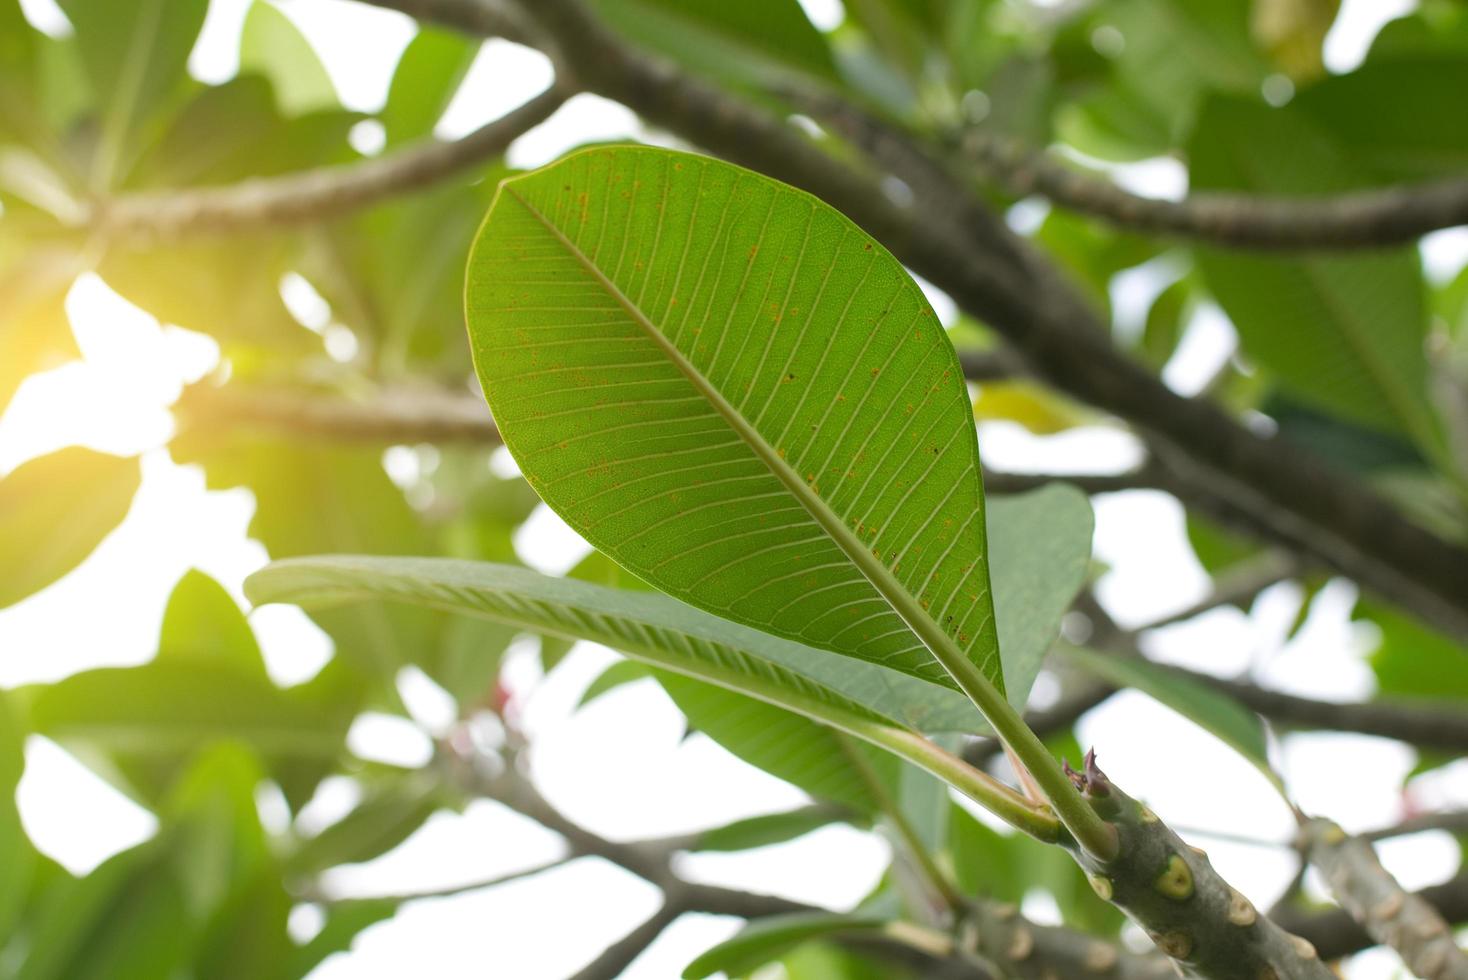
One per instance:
(619,766)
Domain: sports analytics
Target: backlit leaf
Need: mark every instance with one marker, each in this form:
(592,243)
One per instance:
(733,391)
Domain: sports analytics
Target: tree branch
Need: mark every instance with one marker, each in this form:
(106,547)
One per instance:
(1362,219)
(1335,933)
(1187,908)
(1332,932)
(618,956)
(1384,909)
(313,195)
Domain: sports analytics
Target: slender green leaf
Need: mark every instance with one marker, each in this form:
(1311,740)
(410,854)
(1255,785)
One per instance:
(648,627)
(127,920)
(1039,556)
(202,622)
(560,607)
(1362,111)
(1236,726)
(274,47)
(786,745)
(736,393)
(1346,332)
(765,939)
(134,55)
(54,510)
(769,828)
(17,856)
(382,821)
(149,721)
(344,921)
(424,82)
(750,41)
(617,674)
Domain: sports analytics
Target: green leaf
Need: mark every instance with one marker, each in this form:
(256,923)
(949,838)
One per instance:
(271,45)
(17,856)
(768,938)
(617,674)
(127,920)
(788,746)
(769,828)
(1173,55)
(202,622)
(1220,715)
(344,920)
(1166,319)
(315,498)
(501,593)
(150,720)
(1007,867)
(1345,332)
(383,820)
(35,332)
(750,41)
(734,392)
(1039,555)
(1361,112)
(651,628)
(1412,661)
(54,511)
(135,55)
(424,83)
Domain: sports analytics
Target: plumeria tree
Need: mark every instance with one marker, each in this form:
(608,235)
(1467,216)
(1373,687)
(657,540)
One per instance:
(708,354)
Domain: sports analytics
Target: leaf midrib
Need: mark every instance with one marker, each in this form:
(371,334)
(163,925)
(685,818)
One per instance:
(942,647)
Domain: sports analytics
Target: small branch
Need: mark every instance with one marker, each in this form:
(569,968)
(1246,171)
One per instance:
(1237,585)
(1361,219)
(1424,722)
(1090,483)
(1335,933)
(313,195)
(1429,724)
(936,879)
(391,416)
(480,18)
(1452,821)
(618,956)
(1025,951)
(398,898)
(1384,909)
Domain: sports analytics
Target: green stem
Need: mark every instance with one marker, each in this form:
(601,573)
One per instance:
(1037,821)
(1087,826)
(936,878)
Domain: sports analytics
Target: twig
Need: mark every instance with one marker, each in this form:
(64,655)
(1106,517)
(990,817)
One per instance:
(398,898)
(1237,585)
(618,956)
(1452,821)
(1332,932)
(1362,219)
(312,195)
(390,416)
(1384,909)
(1026,951)
(1335,933)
